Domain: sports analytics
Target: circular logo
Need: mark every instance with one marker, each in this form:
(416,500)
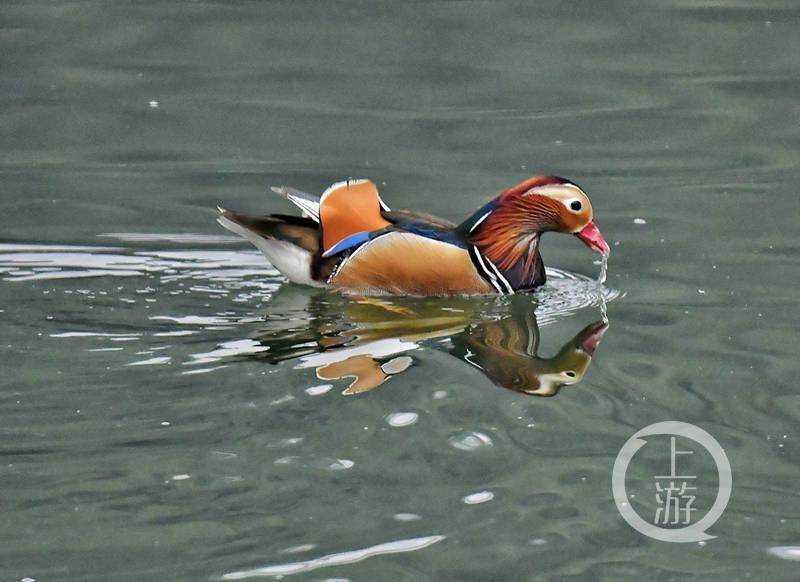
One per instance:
(692,532)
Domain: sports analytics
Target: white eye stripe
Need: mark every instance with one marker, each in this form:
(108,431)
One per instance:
(555,190)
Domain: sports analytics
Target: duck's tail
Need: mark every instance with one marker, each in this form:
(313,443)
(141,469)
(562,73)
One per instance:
(306,202)
(290,243)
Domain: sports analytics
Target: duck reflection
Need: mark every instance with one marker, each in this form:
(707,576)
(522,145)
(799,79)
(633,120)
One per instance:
(369,340)
(507,352)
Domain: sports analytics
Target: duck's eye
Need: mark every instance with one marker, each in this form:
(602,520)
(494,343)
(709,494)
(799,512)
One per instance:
(570,373)
(576,205)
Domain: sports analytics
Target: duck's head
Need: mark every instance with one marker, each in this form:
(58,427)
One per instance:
(541,204)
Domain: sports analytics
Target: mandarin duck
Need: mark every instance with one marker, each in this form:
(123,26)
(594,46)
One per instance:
(349,239)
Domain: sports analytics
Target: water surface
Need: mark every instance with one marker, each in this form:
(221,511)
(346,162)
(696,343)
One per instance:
(171,410)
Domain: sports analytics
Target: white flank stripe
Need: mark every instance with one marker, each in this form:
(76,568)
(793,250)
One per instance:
(487,272)
(505,282)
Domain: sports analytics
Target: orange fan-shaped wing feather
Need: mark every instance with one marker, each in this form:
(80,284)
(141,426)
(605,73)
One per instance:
(348,208)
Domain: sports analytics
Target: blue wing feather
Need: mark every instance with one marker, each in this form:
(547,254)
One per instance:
(347,243)
(432,232)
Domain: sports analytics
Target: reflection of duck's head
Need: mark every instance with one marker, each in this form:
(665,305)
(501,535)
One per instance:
(569,365)
(372,339)
(506,351)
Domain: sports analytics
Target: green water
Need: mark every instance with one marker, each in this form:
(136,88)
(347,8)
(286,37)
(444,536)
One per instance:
(162,414)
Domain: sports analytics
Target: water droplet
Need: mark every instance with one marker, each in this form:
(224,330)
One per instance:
(341,465)
(317,390)
(299,549)
(479,497)
(287,442)
(470,441)
(407,516)
(282,400)
(397,365)
(400,419)
(286,460)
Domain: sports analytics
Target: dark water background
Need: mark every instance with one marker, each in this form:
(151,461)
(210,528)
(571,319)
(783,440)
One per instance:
(133,119)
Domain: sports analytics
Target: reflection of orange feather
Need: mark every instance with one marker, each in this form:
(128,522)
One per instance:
(364,369)
(349,208)
(402,263)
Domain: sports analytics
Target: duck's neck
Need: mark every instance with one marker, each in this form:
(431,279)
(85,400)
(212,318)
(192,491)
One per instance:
(520,263)
(507,236)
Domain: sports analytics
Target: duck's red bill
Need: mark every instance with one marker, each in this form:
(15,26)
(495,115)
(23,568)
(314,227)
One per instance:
(592,340)
(591,237)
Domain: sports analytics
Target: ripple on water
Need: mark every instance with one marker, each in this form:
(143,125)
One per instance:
(299,549)
(786,552)
(216,282)
(566,293)
(339,559)
(152,361)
